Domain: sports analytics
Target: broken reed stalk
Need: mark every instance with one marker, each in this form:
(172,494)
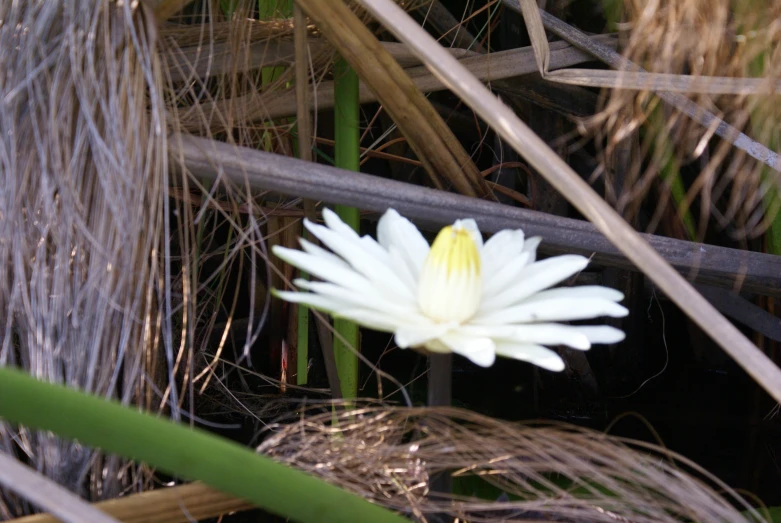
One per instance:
(686,136)
(179,504)
(46,494)
(507,124)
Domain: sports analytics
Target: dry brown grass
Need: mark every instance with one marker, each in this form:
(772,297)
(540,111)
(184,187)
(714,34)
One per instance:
(84,254)
(701,38)
(549,471)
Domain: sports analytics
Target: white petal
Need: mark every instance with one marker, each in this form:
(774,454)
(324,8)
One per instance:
(318,251)
(508,242)
(479,351)
(366,299)
(554,309)
(536,354)
(534,278)
(335,223)
(601,333)
(369,318)
(539,333)
(403,269)
(396,231)
(418,335)
(364,317)
(434,345)
(530,246)
(500,249)
(581,291)
(371,246)
(354,252)
(324,268)
(340,242)
(393,259)
(470,226)
(501,277)
(315,301)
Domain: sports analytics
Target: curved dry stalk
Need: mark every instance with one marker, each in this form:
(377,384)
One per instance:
(539,471)
(637,79)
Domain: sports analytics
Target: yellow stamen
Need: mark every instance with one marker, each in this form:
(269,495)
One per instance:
(450,282)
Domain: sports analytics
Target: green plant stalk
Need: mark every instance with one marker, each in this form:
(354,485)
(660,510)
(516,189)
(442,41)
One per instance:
(613,10)
(269,10)
(772,198)
(228,7)
(670,173)
(347,156)
(773,205)
(772,201)
(188,453)
(302,350)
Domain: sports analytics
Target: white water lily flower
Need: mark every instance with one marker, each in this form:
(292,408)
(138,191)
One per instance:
(459,295)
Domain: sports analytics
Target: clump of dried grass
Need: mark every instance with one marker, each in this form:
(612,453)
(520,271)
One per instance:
(84,238)
(548,471)
(701,38)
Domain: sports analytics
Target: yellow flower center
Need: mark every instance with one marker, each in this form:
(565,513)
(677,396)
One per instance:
(450,282)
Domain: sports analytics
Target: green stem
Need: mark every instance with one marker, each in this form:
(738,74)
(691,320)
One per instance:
(669,171)
(302,361)
(773,207)
(191,454)
(269,10)
(347,156)
(772,198)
